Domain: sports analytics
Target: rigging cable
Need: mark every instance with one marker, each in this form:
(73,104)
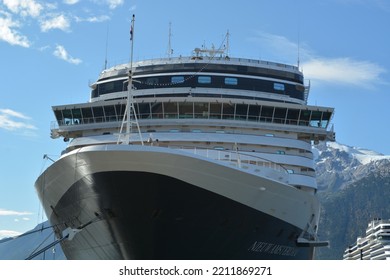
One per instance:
(68,233)
(33,252)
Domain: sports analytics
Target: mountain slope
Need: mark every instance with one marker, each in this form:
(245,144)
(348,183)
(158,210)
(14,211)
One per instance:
(357,191)
(22,247)
(339,165)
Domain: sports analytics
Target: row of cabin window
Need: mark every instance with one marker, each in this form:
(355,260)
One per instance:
(228,81)
(201,81)
(121,85)
(222,68)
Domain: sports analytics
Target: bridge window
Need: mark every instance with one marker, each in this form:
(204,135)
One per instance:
(292,116)
(186,110)
(98,114)
(254,112)
(87,115)
(215,110)
(325,119)
(241,111)
(228,111)
(316,118)
(110,113)
(143,110)
(280,115)
(76,115)
(267,114)
(157,110)
(67,117)
(170,110)
(304,117)
(59,117)
(201,110)
(120,109)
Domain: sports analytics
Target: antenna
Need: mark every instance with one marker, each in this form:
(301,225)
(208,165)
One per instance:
(299,49)
(227,43)
(105,57)
(299,34)
(169,50)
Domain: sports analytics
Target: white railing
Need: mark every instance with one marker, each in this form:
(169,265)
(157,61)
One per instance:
(254,164)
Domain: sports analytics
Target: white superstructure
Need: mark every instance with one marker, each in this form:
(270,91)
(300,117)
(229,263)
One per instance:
(374,246)
(213,132)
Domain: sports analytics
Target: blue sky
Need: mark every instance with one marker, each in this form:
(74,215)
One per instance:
(51,50)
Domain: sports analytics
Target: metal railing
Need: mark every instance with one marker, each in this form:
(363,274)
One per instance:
(240,159)
(256,165)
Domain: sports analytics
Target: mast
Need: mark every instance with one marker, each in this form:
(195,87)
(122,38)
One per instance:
(169,50)
(130,112)
(227,43)
(105,58)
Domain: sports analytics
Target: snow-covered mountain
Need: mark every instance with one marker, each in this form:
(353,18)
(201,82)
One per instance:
(354,186)
(20,248)
(340,165)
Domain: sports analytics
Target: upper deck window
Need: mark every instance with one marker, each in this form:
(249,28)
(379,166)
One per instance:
(204,80)
(177,79)
(279,86)
(231,81)
(152,81)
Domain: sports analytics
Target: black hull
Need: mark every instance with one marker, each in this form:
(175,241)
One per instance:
(139,215)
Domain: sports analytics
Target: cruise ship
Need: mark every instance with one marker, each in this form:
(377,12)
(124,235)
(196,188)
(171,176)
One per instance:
(204,156)
(374,246)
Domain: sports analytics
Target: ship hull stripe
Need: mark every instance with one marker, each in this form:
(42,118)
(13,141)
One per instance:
(269,196)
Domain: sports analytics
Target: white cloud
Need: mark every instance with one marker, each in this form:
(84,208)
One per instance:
(9,34)
(343,70)
(58,22)
(24,7)
(46,14)
(340,70)
(12,120)
(4,212)
(114,3)
(92,19)
(23,219)
(44,48)
(71,2)
(61,53)
(8,233)
(13,113)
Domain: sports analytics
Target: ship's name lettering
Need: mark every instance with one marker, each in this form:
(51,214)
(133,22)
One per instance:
(275,249)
